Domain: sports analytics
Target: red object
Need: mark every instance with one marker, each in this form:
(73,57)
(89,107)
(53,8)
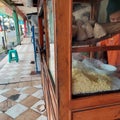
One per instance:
(0,28)
(113,56)
(25,28)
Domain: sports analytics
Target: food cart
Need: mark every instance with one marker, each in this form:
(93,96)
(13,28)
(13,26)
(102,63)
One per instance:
(57,45)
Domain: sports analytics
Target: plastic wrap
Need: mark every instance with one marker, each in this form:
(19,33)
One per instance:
(85,79)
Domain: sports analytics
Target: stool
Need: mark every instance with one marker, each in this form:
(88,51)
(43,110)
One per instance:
(13,55)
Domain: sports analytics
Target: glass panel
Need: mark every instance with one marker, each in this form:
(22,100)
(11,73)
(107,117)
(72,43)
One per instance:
(95,71)
(81,20)
(51,38)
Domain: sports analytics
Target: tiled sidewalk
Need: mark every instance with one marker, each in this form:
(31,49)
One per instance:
(21,94)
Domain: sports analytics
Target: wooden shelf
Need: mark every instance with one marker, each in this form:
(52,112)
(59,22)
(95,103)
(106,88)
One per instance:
(86,0)
(111,29)
(95,48)
(90,41)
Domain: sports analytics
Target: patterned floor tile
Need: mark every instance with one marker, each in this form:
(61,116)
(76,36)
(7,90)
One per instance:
(4,90)
(24,84)
(38,86)
(25,79)
(10,93)
(36,82)
(2,98)
(42,117)
(38,107)
(28,115)
(36,78)
(15,80)
(12,85)
(38,94)
(30,90)
(22,97)
(2,87)
(4,106)
(5,117)
(29,101)
(21,89)
(16,110)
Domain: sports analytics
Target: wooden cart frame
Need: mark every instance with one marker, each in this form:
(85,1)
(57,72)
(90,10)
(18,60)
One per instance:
(59,102)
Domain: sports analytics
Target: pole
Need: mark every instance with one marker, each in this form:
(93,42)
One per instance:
(4,33)
(25,28)
(34,45)
(15,16)
(3,42)
(28,25)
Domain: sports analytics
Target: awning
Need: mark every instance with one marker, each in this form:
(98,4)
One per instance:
(5,10)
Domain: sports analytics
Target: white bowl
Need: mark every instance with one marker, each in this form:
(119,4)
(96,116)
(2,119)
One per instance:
(108,68)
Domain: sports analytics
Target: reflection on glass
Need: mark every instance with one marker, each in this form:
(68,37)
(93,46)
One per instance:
(51,38)
(81,24)
(92,74)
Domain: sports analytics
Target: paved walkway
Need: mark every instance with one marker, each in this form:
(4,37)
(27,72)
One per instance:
(2,55)
(21,94)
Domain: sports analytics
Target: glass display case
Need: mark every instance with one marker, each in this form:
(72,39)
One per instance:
(76,83)
(50,19)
